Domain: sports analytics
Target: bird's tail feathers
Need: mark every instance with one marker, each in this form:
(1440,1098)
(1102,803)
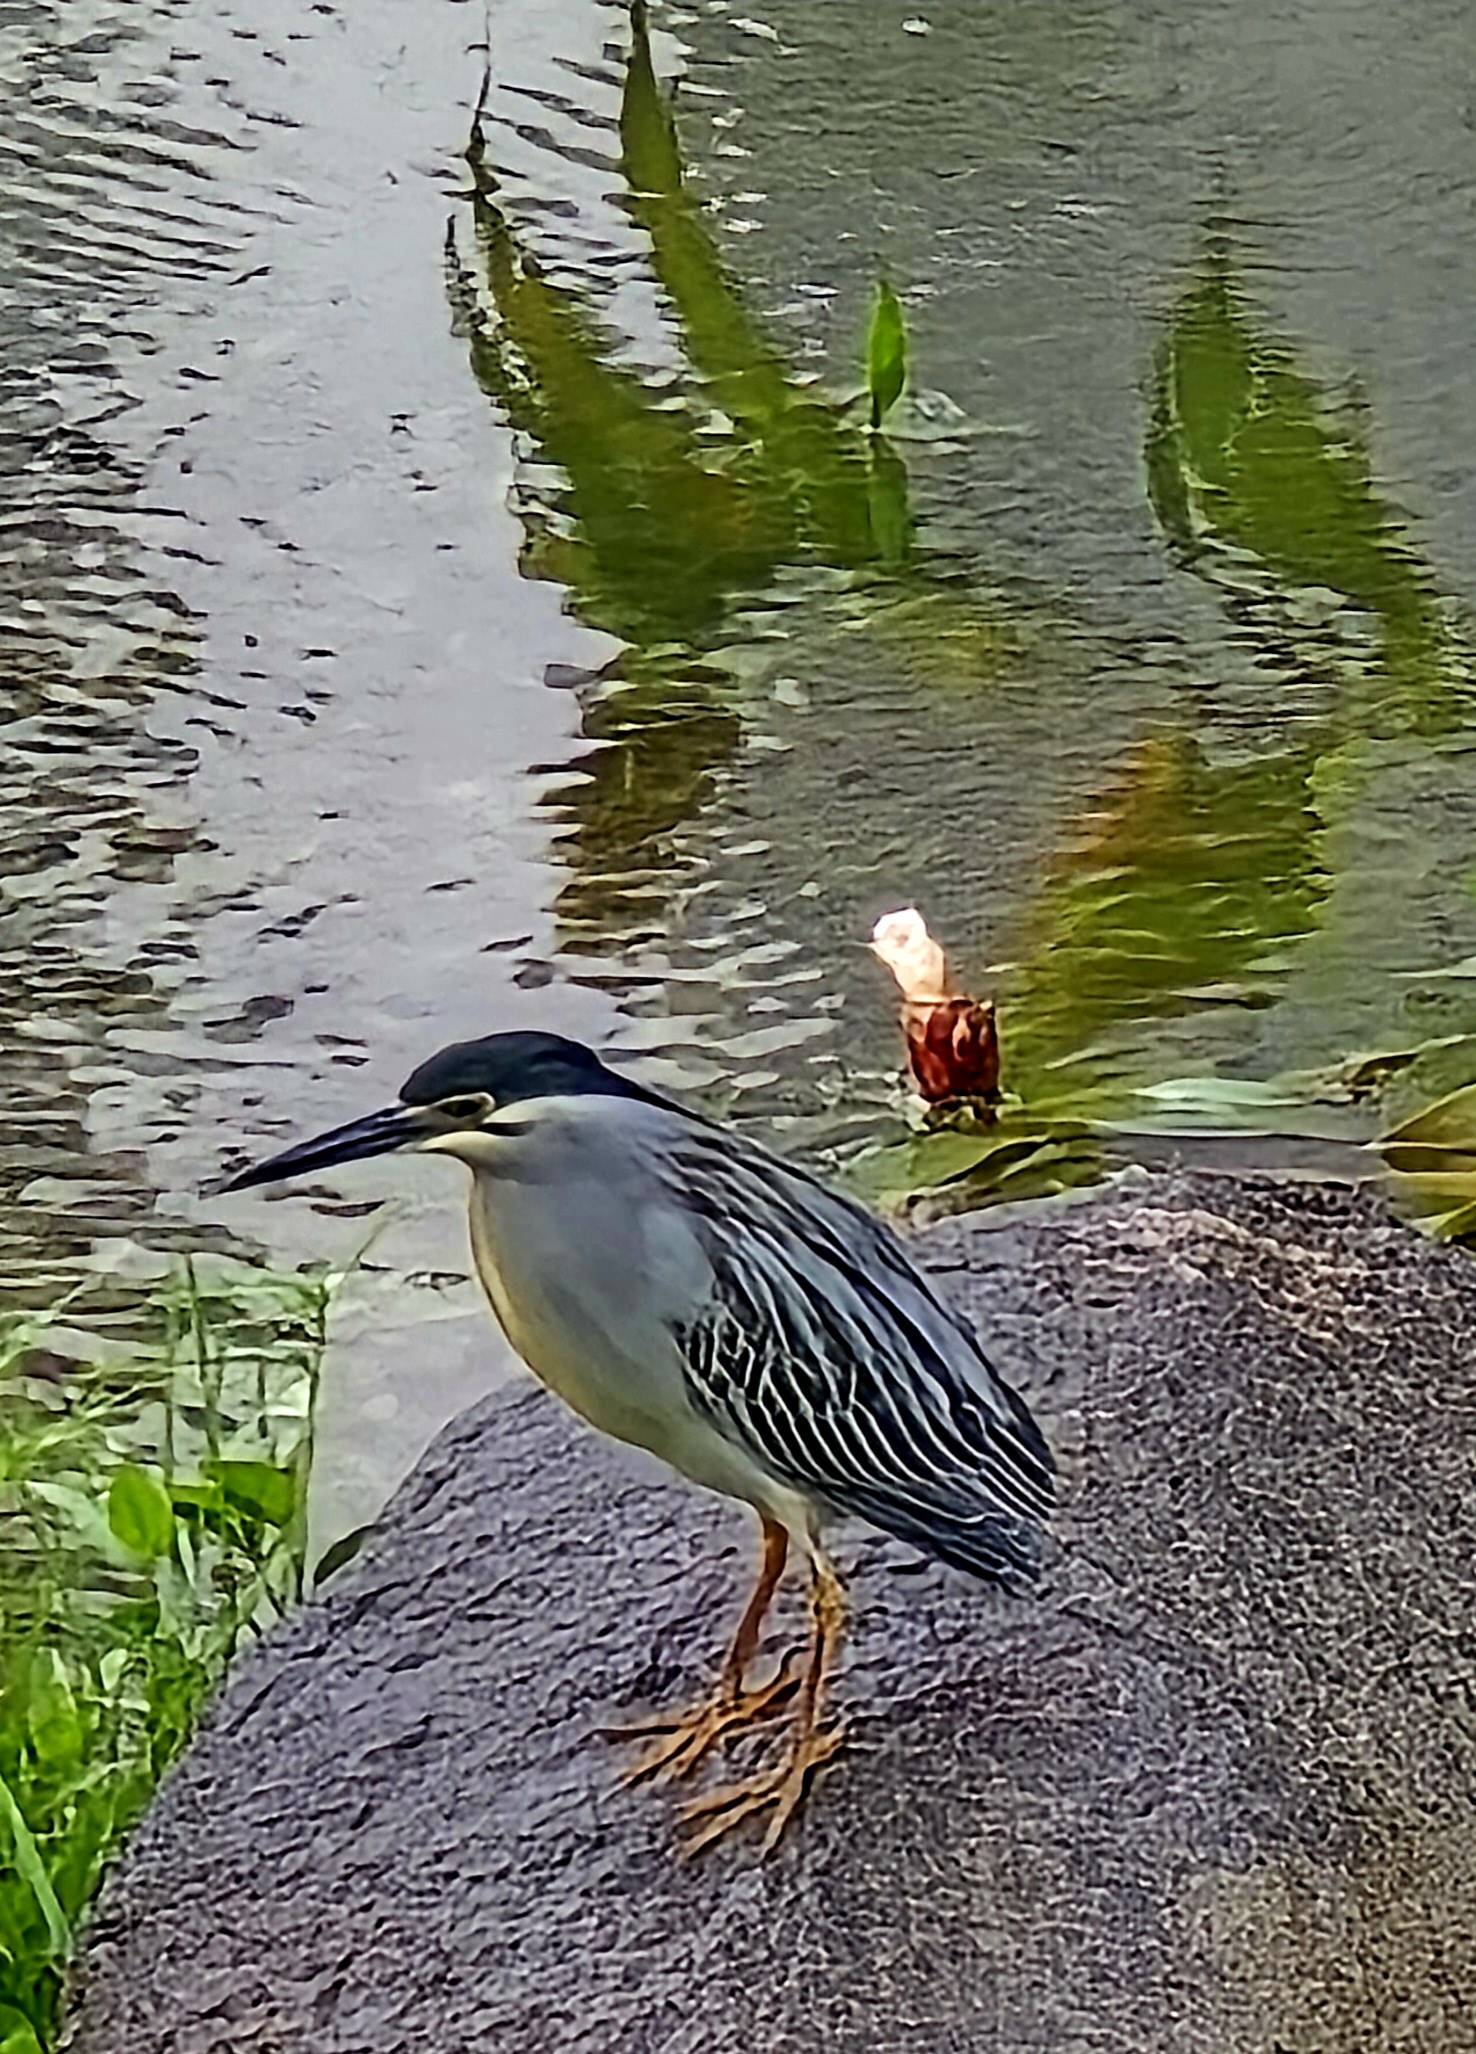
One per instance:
(993,1546)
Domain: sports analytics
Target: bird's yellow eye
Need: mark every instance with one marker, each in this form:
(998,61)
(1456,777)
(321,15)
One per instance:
(473,1106)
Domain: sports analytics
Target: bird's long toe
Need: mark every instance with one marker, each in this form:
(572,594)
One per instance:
(680,1742)
(779,1791)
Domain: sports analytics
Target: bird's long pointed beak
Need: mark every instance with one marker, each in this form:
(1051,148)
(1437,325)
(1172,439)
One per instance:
(393,1126)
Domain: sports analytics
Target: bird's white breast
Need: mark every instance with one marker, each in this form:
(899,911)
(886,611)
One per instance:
(565,1276)
(587,1279)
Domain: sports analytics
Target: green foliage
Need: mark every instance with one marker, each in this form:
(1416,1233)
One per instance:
(19,2037)
(152,1508)
(1450,1124)
(139,1511)
(886,353)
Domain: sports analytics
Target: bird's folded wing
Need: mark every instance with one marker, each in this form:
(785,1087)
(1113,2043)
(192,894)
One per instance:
(825,1352)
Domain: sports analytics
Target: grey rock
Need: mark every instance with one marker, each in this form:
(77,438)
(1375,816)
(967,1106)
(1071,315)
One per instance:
(1211,1790)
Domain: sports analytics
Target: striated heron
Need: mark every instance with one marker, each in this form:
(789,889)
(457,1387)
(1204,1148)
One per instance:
(683,1289)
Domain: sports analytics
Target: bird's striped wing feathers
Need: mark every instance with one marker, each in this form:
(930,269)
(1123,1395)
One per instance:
(825,1351)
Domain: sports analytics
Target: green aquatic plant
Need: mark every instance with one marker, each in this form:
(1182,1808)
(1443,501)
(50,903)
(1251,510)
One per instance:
(886,353)
(153,1509)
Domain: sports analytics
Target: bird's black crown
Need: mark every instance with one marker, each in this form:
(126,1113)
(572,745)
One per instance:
(509,1067)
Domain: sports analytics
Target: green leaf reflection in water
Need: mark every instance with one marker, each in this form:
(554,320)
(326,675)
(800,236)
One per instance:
(1261,486)
(1187,881)
(685,513)
(1192,882)
(677,507)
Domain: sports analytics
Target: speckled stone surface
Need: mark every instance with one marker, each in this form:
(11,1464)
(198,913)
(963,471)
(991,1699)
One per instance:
(1212,1791)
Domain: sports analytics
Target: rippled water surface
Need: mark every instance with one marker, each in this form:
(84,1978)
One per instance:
(444,587)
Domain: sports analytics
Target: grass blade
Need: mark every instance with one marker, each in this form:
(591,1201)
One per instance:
(31,1867)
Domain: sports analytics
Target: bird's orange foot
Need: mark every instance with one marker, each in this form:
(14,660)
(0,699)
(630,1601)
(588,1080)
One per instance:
(780,1790)
(680,1742)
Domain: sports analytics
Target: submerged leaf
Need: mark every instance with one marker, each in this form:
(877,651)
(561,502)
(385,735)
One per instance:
(1214,1093)
(139,1511)
(886,353)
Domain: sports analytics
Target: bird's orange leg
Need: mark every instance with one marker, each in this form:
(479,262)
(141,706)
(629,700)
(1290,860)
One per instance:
(680,1742)
(782,1790)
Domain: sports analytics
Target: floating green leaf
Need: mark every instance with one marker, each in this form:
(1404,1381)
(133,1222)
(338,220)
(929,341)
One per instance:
(886,353)
(1459,1225)
(1215,1094)
(1435,1192)
(988,1161)
(139,1511)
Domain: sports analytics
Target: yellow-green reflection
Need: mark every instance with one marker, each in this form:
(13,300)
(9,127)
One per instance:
(1185,878)
(671,508)
(843,494)
(1250,469)
(1188,882)
(674,503)
(658,746)
(1193,875)
(1431,1161)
